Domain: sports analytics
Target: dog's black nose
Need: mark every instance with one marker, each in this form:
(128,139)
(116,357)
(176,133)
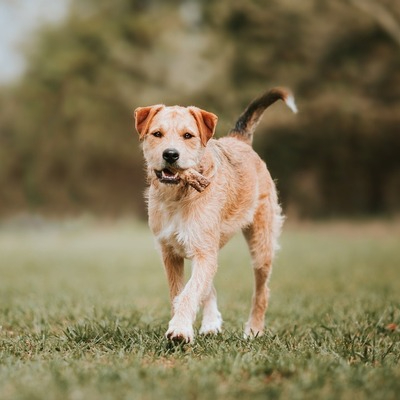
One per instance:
(170,155)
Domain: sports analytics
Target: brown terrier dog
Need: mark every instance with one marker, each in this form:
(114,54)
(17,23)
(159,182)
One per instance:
(234,191)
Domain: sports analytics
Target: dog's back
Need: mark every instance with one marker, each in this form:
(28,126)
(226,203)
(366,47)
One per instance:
(246,181)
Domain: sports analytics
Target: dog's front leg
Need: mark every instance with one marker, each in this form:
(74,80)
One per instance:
(187,303)
(174,268)
(212,319)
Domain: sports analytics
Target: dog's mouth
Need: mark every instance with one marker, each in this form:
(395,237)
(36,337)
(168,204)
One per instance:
(168,176)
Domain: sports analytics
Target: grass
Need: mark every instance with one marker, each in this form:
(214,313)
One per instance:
(83,310)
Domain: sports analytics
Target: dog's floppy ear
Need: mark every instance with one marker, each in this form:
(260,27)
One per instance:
(206,123)
(143,117)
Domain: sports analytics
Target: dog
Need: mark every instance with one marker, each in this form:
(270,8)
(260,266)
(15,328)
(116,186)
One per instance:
(194,225)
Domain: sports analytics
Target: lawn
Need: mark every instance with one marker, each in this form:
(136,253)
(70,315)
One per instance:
(84,307)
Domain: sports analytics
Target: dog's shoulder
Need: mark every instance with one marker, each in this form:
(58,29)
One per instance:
(236,152)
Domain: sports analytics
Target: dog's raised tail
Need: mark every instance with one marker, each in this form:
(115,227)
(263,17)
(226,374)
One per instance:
(248,121)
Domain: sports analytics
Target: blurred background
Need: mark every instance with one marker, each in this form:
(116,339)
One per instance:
(72,71)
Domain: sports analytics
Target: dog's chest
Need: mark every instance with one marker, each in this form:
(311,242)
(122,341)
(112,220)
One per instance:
(174,230)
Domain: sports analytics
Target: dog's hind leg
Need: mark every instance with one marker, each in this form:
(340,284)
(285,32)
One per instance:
(261,237)
(212,320)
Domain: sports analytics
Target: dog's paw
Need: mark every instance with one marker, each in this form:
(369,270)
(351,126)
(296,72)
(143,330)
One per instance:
(251,332)
(211,326)
(179,333)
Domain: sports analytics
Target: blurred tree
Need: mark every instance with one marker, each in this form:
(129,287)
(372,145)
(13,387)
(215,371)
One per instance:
(382,16)
(340,156)
(66,131)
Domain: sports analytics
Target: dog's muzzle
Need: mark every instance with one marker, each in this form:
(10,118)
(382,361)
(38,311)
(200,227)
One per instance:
(168,176)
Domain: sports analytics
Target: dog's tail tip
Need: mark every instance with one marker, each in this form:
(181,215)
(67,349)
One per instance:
(289,101)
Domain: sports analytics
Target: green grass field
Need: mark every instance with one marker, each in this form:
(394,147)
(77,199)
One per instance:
(84,307)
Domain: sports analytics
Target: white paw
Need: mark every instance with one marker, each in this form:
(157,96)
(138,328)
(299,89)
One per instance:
(211,326)
(181,333)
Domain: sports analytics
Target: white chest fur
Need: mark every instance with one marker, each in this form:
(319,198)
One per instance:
(182,234)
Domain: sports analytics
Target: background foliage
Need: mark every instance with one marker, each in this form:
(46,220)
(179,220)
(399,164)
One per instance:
(66,134)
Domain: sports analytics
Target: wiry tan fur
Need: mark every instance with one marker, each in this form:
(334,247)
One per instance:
(192,225)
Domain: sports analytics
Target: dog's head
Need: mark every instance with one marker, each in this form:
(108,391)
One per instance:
(173,138)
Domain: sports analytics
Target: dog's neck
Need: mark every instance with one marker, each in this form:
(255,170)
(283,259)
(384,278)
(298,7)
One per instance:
(210,162)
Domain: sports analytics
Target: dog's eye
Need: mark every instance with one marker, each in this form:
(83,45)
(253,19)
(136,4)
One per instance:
(157,134)
(187,135)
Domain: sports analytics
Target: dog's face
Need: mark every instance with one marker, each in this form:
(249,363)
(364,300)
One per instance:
(173,138)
